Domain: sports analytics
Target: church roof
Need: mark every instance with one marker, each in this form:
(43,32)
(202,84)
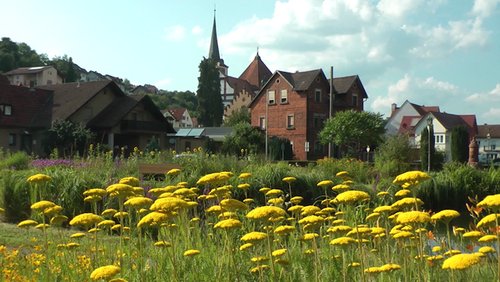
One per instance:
(213,52)
(257,73)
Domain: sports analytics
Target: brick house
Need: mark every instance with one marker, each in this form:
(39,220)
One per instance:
(296,105)
(25,114)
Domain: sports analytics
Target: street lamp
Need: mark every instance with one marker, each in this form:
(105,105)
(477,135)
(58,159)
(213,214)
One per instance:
(429,125)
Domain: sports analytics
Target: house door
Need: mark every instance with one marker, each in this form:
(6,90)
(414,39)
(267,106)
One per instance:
(26,143)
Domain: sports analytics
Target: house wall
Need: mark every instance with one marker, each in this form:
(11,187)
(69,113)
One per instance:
(30,143)
(241,100)
(440,133)
(489,149)
(94,106)
(318,112)
(392,126)
(45,77)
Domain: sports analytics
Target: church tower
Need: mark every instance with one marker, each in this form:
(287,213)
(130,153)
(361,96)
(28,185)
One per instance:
(213,52)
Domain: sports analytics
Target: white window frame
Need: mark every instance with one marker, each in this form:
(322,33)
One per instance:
(290,121)
(283,96)
(271,97)
(317,95)
(262,122)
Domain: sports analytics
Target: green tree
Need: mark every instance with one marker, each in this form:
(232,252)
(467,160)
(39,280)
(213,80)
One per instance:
(210,107)
(460,144)
(427,136)
(68,137)
(393,156)
(352,130)
(71,75)
(244,137)
(238,116)
(28,57)
(280,149)
(9,55)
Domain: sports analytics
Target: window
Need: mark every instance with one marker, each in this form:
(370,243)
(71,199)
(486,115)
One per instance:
(318,148)
(262,123)
(12,139)
(290,121)
(6,109)
(440,138)
(271,96)
(317,95)
(355,99)
(493,147)
(284,96)
(318,120)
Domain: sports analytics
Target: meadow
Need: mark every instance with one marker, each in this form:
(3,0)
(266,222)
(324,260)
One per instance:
(223,218)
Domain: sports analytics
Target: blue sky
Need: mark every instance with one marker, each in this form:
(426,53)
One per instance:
(441,52)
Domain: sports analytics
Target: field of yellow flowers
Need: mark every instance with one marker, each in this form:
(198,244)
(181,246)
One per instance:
(200,231)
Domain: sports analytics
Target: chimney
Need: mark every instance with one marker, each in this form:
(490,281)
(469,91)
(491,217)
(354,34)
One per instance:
(394,107)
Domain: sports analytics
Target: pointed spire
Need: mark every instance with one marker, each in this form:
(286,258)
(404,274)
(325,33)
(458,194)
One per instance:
(213,52)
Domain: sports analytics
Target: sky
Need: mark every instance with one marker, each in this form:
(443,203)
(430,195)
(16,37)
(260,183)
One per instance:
(440,52)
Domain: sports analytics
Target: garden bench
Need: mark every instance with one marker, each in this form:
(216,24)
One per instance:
(156,171)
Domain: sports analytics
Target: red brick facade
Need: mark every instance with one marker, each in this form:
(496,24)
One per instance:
(301,117)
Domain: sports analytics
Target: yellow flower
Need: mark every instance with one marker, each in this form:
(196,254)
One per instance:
(152,219)
(445,215)
(309,210)
(190,253)
(95,191)
(85,220)
(168,204)
(58,219)
(275,201)
(138,202)
(284,229)
(92,198)
(461,261)
(214,209)
(162,244)
(412,177)
(490,202)
(359,230)
(130,180)
(486,249)
(39,178)
(245,175)
(436,249)
(488,220)
(233,205)
(390,267)
(342,174)
(254,236)
(413,217)
(120,190)
(289,179)
(244,186)
(216,177)
(77,235)
(325,183)
(173,171)
(228,224)
(403,193)
(382,209)
(373,215)
(42,205)
(351,197)
(382,194)
(487,238)
(295,209)
(312,219)
(27,223)
(246,246)
(339,229)
(109,212)
(266,212)
(274,193)
(122,214)
(296,200)
(342,241)
(407,203)
(341,187)
(372,270)
(472,234)
(309,236)
(402,234)
(264,190)
(105,272)
(106,223)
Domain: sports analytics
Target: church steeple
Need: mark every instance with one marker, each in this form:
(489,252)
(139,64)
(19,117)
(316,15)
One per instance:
(213,52)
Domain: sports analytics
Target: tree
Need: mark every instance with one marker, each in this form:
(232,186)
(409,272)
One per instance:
(210,107)
(68,137)
(280,149)
(460,144)
(425,155)
(244,137)
(71,75)
(393,156)
(238,116)
(352,130)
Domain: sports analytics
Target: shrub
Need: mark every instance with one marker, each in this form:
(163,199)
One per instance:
(392,157)
(15,195)
(18,160)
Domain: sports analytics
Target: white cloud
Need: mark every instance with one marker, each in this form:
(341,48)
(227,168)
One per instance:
(175,33)
(484,8)
(196,30)
(486,98)
(492,114)
(397,8)
(419,91)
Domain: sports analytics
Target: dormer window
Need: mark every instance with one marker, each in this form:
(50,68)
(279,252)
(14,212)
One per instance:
(6,109)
